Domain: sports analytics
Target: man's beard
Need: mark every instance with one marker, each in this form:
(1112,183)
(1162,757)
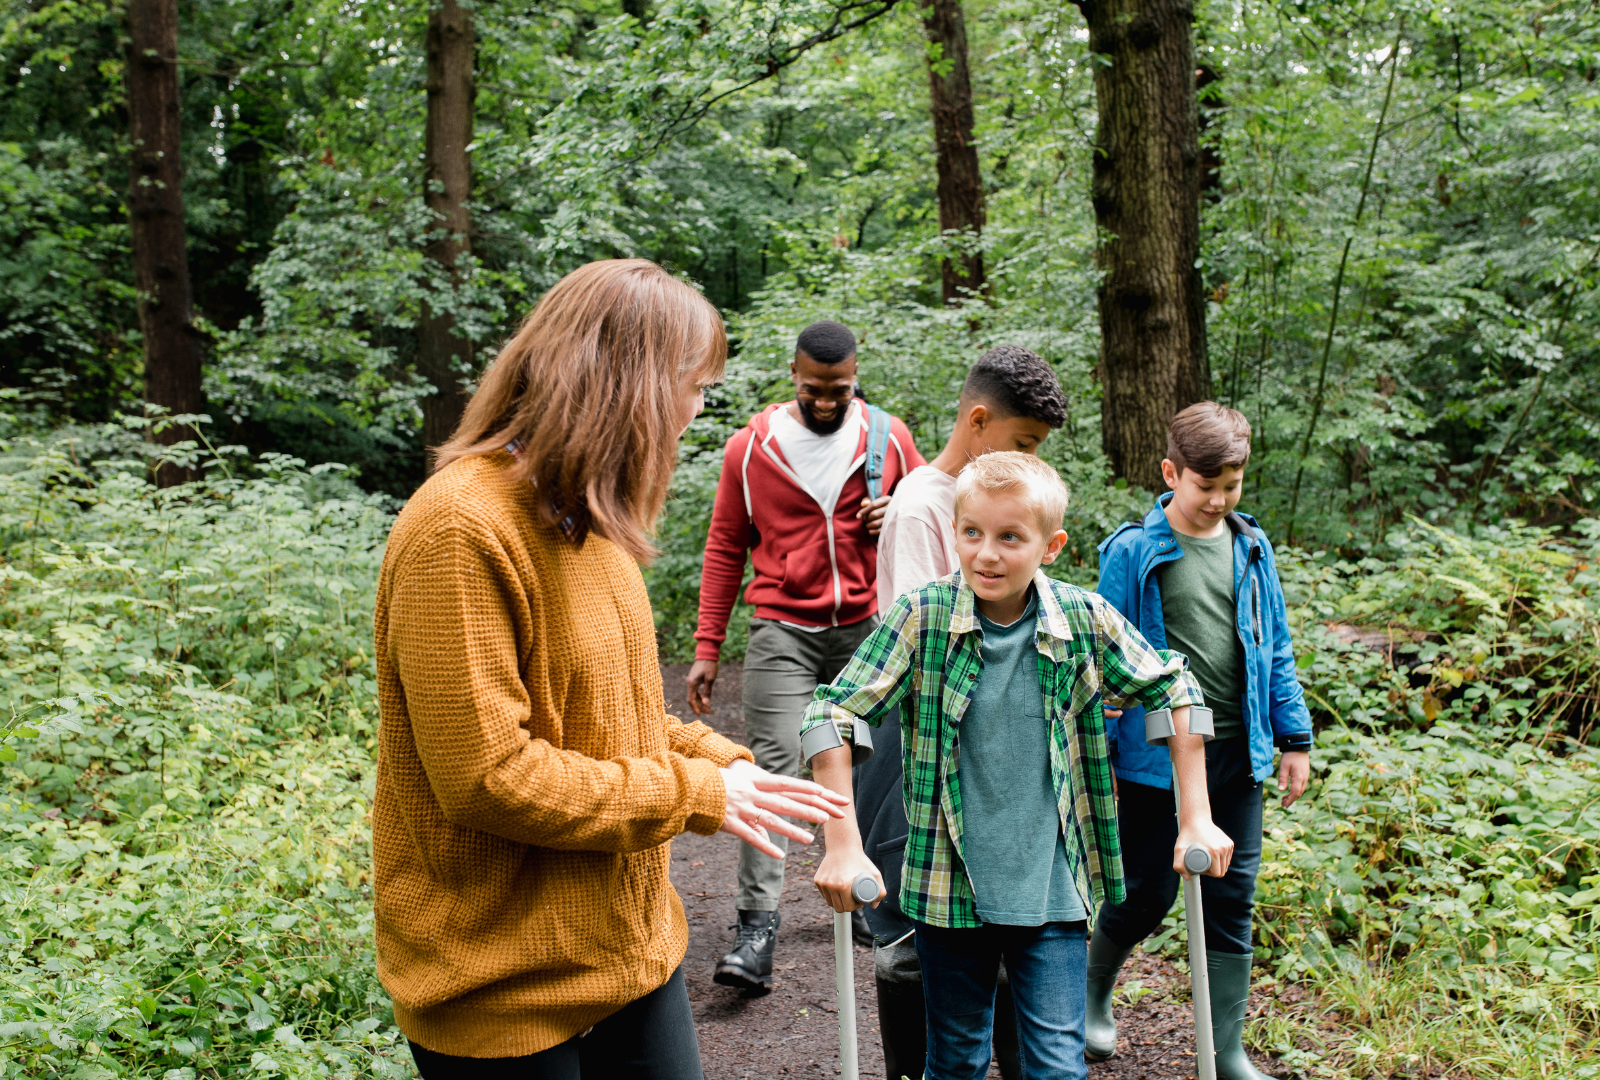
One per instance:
(819,426)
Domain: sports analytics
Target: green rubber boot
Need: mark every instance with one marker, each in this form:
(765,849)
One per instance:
(1230,999)
(1100,1029)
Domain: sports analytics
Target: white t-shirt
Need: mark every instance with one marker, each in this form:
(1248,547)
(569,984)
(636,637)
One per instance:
(918,541)
(822,462)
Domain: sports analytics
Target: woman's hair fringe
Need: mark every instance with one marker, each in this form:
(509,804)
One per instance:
(588,392)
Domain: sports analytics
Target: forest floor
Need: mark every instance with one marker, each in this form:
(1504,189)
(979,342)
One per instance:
(792,1031)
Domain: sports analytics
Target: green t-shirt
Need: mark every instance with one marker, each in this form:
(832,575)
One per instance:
(1198,607)
(1011,838)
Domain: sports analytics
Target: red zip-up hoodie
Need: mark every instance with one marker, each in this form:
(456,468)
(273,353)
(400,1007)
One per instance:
(811,568)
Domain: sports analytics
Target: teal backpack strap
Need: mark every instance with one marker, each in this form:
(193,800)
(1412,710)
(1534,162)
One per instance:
(877,446)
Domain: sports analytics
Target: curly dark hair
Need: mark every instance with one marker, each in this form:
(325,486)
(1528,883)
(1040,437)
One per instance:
(1014,381)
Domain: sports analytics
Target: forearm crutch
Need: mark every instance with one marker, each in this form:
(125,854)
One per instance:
(1158,728)
(865,891)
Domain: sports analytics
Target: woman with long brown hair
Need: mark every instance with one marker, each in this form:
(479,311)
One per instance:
(529,777)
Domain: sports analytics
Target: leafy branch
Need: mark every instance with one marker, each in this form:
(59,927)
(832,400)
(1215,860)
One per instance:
(51,716)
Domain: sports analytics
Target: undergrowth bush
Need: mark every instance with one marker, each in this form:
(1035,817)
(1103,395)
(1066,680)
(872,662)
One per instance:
(1439,884)
(183,836)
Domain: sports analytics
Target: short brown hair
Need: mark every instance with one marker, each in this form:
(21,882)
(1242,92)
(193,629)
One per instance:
(1012,470)
(588,391)
(1208,438)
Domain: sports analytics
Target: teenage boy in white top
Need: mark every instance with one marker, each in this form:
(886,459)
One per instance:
(1011,400)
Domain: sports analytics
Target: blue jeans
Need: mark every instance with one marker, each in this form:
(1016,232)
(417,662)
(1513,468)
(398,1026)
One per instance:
(1048,966)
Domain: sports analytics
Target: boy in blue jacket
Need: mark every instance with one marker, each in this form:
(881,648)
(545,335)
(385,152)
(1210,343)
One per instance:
(1199,578)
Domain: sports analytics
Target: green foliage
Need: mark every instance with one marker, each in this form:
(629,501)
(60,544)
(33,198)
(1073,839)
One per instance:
(183,838)
(1439,889)
(1441,881)
(783,160)
(1466,343)
(1501,629)
(59,310)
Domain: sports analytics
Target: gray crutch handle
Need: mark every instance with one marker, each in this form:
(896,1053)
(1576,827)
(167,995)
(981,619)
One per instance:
(1197,860)
(865,888)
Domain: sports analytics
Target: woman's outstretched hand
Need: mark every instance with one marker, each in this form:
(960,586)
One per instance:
(758,801)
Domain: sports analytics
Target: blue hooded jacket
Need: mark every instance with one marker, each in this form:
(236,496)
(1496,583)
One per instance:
(1274,705)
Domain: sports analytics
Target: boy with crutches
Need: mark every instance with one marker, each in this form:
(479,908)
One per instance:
(999,673)
(1010,400)
(1198,578)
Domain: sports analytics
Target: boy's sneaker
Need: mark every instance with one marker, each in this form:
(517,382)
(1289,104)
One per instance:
(749,966)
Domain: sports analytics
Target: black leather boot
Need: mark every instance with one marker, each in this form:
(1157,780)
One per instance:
(749,965)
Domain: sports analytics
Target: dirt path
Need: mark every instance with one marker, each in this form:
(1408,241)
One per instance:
(793,1030)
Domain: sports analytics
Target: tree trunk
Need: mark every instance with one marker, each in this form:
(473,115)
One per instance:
(1146,193)
(442,356)
(155,217)
(960,183)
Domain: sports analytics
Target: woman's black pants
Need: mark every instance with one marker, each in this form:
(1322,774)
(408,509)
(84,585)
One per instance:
(1149,827)
(651,1038)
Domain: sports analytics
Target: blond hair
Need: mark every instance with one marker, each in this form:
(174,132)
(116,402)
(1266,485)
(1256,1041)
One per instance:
(1012,471)
(588,391)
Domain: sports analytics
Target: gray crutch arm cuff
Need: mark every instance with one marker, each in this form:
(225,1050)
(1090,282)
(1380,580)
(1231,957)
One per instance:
(827,736)
(1158,726)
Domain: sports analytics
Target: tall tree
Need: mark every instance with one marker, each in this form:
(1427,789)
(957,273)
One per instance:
(1146,193)
(960,182)
(447,184)
(155,212)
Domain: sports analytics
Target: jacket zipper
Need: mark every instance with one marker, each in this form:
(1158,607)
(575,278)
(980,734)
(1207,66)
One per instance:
(827,520)
(833,561)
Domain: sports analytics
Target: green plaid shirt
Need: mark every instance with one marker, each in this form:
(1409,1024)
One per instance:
(925,658)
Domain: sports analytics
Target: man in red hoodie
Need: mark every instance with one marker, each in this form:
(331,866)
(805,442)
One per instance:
(793,496)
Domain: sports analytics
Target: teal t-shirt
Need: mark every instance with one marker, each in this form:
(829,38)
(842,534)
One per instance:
(1011,838)
(1197,605)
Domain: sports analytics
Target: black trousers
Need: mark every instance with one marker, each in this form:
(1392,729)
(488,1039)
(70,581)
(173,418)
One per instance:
(1147,819)
(652,1038)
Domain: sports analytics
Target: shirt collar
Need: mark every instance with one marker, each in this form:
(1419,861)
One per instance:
(1050,618)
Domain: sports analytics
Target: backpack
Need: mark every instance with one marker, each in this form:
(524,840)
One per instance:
(877,447)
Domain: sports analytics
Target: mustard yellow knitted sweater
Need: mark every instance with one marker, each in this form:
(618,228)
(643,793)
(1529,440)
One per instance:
(529,777)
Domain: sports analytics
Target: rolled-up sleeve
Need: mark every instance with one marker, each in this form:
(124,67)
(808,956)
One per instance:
(1134,671)
(877,678)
